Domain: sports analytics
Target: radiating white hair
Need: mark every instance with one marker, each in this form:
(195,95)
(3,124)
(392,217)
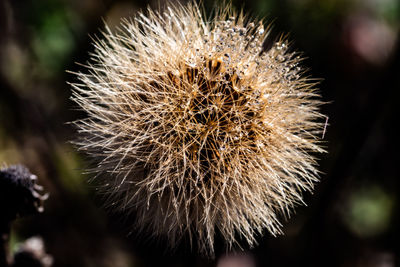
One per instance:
(196,127)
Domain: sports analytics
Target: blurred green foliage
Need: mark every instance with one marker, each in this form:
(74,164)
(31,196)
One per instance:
(53,43)
(369,211)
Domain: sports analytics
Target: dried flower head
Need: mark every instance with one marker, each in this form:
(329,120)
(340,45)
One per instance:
(20,195)
(196,127)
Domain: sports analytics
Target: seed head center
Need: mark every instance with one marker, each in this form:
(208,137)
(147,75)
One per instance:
(217,112)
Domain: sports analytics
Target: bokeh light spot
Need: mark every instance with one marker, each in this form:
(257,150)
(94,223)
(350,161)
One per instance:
(369,212)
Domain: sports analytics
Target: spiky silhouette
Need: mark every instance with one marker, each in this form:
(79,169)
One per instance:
(196,127)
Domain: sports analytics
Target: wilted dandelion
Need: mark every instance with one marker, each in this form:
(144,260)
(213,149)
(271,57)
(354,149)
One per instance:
(196,127)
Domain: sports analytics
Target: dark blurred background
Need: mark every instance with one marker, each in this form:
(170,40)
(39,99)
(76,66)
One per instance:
(352,219)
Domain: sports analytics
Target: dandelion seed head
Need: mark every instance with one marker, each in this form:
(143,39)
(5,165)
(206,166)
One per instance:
(198,129)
